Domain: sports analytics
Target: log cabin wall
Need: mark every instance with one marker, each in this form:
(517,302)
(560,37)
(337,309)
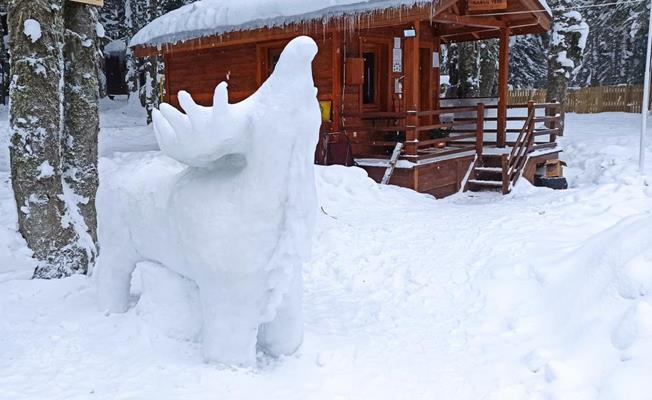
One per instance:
(199,72)
(245,67)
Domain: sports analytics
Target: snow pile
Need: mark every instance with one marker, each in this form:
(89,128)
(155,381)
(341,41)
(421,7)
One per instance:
(229,215)
(601,294)
(540,294)
(211,17)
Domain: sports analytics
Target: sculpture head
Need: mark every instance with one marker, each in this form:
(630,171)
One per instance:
(205,135)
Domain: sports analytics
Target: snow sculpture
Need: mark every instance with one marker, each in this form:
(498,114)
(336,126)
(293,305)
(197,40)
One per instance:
(237,218)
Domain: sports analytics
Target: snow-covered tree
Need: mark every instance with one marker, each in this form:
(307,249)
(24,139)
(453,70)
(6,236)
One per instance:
(54,125)
(615,51)
(565,50)
(36,42)
(4,55)
(122,19)
(487,67)
(528,65)
(79,144)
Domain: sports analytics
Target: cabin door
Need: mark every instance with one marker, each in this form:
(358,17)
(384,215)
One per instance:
(425,79)
(375,88)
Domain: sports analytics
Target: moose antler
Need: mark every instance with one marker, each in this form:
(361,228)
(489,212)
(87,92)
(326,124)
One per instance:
(203,134)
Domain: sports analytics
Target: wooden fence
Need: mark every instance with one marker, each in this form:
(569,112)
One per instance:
(625,98)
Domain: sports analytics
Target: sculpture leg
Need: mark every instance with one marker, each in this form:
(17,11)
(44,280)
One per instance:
(115,267)
(284,334)
(231,312)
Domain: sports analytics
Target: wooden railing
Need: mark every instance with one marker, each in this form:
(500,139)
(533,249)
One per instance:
(513,167)
(551,119)
(416,128)
(466,131)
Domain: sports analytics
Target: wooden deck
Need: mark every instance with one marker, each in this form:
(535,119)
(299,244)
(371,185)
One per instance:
(457,148)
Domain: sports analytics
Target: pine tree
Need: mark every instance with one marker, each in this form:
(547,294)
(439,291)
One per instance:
(528,64)
(472,67)
(615,51)
(487,67)
(122,19)
(565,50)
(462,69)
(36,42)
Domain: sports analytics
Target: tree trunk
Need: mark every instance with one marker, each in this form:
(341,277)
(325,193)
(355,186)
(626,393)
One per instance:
(3,62)
(81,119)
(149,90)
(36,37)
(568,40)
(488,68)
(466,77)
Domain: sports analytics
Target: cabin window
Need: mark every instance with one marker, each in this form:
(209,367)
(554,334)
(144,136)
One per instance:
(273,55)
(369,93)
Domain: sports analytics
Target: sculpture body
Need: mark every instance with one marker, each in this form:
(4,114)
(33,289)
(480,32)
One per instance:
(235,214)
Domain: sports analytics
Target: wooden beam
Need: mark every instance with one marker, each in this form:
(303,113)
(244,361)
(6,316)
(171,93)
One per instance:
(437,78)
(412,46)
(544,19)
(99,3)
(337,60)
(480,22)
(503,93)
(411,91)
(464,31)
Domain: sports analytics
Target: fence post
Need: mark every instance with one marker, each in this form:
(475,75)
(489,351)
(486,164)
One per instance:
(479,130)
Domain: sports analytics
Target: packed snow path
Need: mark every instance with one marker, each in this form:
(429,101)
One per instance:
(539,294)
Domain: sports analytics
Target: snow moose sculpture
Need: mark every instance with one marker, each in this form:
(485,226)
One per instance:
(236,217)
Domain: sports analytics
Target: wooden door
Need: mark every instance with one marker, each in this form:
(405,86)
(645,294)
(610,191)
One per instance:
(375,94)
(425,79)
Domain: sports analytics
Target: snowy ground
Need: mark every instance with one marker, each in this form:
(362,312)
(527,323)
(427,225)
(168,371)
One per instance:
(539,294)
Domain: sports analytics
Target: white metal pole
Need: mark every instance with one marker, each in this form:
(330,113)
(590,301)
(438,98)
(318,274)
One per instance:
(646,95)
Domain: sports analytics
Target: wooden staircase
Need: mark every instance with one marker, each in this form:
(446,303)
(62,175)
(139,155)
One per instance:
(500,172)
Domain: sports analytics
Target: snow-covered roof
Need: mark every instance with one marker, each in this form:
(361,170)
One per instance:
(211,17)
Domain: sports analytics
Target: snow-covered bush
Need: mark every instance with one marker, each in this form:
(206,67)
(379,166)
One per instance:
(234,213)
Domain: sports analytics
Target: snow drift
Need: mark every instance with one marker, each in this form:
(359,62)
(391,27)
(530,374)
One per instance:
(234,213)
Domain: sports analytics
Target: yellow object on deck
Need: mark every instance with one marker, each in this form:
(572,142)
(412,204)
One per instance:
(326,107)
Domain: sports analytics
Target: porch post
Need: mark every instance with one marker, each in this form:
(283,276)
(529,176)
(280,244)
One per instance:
(337,60)
(412,90)
(437,77)
(503,92)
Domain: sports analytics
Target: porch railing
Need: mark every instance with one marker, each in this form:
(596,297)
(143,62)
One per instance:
(425,134)
(449,130)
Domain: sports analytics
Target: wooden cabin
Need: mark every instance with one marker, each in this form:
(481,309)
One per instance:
(378,75)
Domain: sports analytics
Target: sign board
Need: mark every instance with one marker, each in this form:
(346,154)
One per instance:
(397,60)
(99,3)
(435,59)
(486,5)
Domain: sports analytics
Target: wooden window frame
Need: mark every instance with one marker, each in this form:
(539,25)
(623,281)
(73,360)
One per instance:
(263,55)
(381,47)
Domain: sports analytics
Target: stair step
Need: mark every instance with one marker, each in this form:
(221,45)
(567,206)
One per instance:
(486,183)
(489,169)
